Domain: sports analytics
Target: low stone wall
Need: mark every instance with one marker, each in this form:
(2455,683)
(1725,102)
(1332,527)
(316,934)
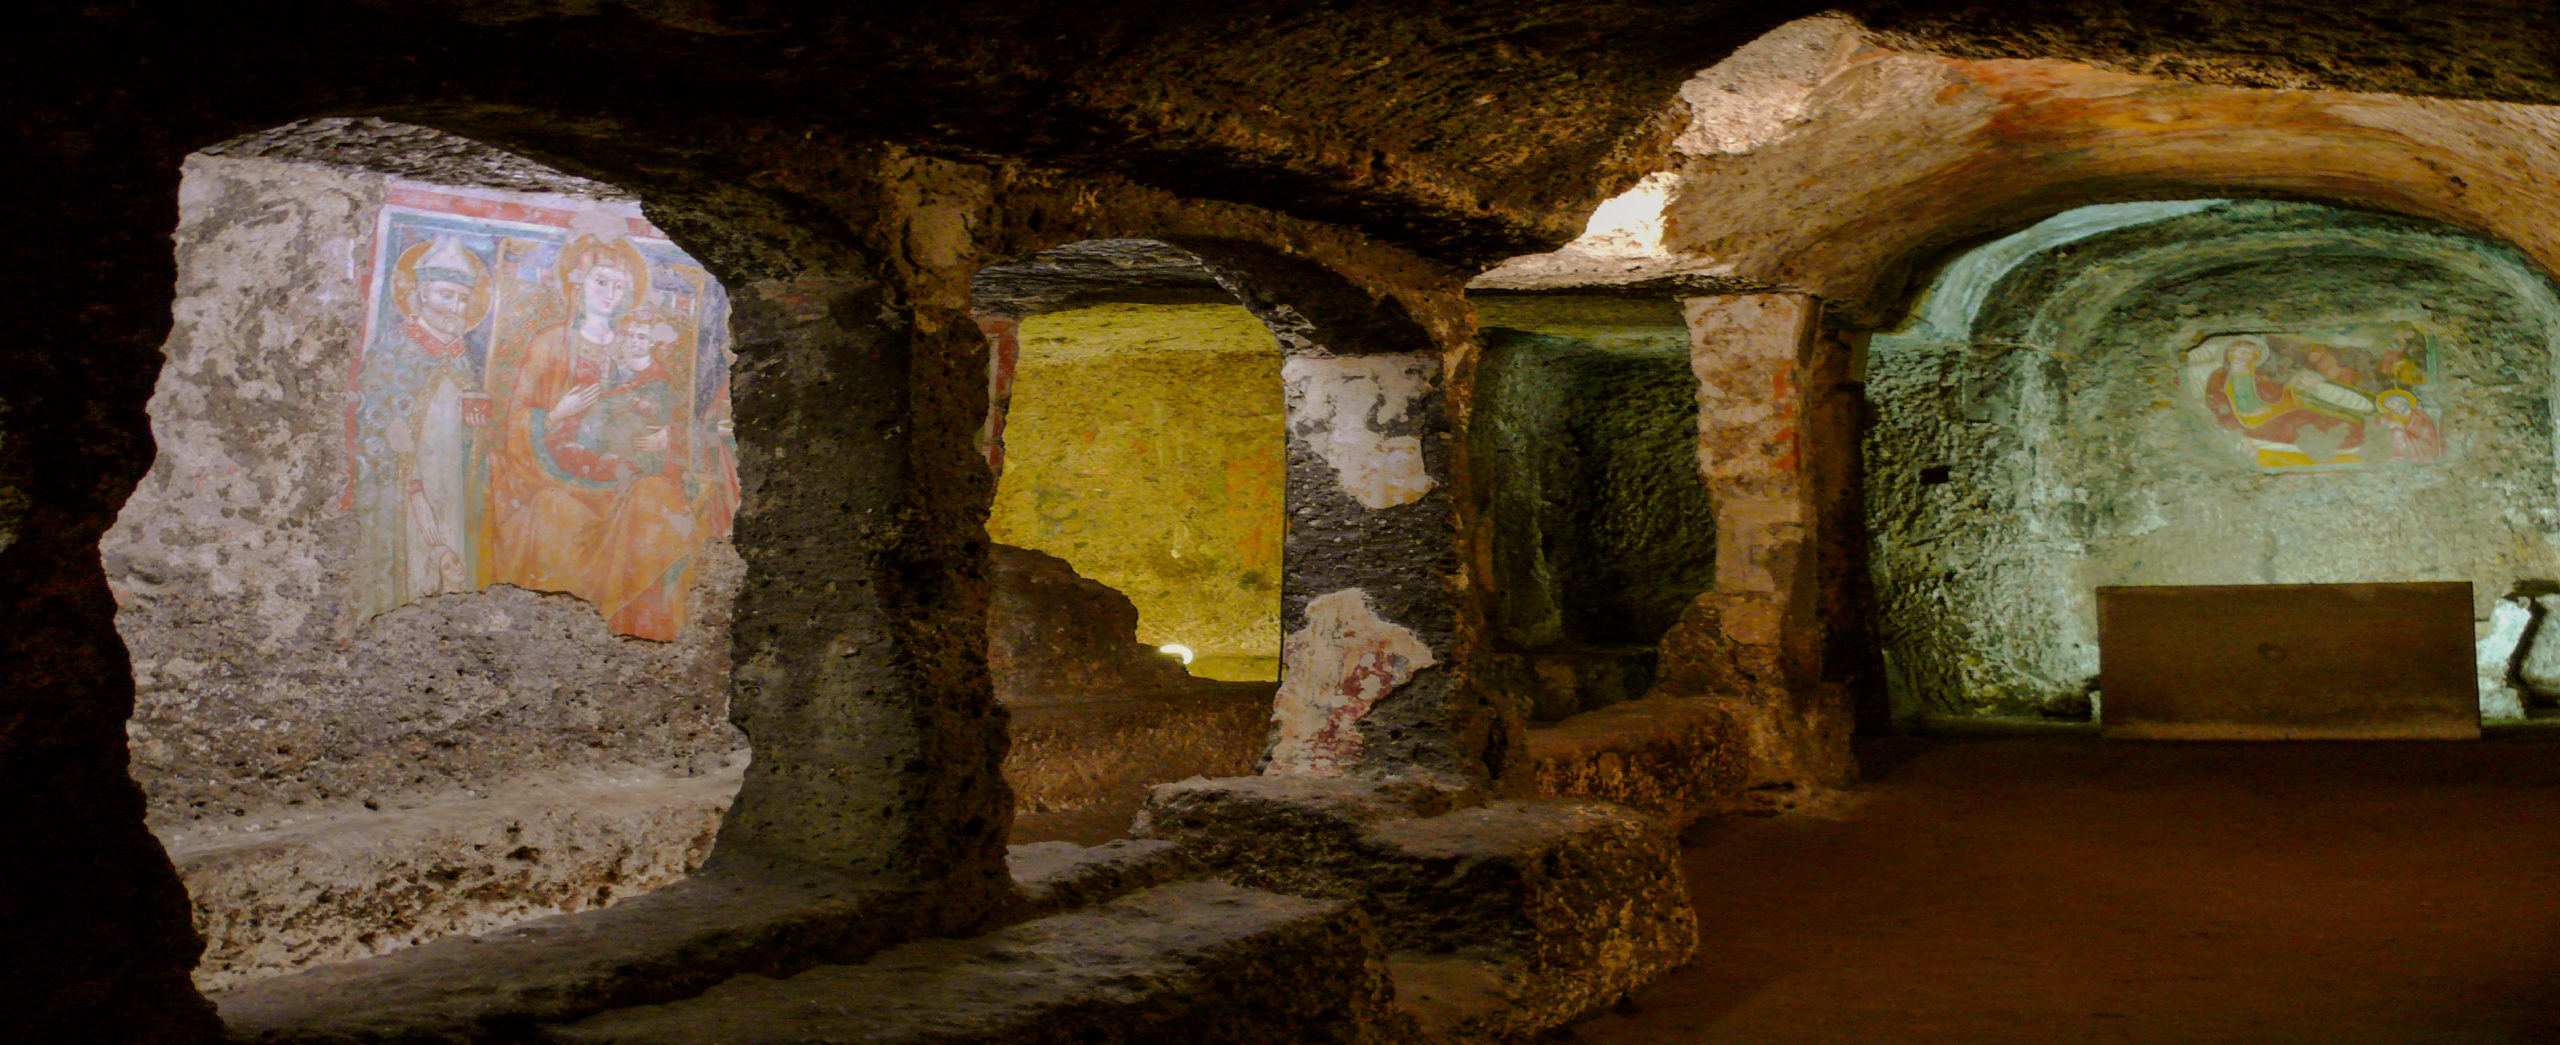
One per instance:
(1098,716)
(1561,907)
(1080,769)
(1678,759)
(357,882)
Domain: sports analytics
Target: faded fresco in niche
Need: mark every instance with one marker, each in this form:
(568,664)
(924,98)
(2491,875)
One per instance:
(542,400)
(2319,400)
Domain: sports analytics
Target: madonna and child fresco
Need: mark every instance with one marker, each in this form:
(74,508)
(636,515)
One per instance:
(2319,400)
(542,400)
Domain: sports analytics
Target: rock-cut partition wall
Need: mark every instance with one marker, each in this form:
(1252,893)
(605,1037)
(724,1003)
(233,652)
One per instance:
(428,590)
(2207,392)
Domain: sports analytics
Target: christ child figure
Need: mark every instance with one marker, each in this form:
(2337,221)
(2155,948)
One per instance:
(634,417)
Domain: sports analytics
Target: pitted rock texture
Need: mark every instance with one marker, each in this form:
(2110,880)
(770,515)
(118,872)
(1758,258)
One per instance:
(739,916)
(1204,962)
(1093,272)
(1225,821)
(1049,877)
(1345,409)
(1143,443)
(292,704)
(1676,759)
(2043,442)
(1583,440)
(1339,667)
(363,882)
(1053,634)
(1369,600)
(1095,716)
(1575,902)
(1080,768)
(1587,439)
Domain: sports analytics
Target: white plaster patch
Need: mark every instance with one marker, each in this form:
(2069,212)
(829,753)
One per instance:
(2499,701)
(1338,403)
(1334,670)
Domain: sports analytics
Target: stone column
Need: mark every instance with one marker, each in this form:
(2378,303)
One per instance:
(1778,420)
(860,672)
(1368,567)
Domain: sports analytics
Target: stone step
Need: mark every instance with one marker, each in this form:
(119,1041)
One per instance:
(740,916)
(354,883)
(1049,877)
(1676,758)
(1203,963)
(1569,905)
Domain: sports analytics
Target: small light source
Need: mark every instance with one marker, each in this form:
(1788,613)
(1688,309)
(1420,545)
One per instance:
(1176,649)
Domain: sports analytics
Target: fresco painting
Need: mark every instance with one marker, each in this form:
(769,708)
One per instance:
(2324,400)
(542,401)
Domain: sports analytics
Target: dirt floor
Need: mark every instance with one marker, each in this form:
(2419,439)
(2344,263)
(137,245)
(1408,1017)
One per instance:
(2071,889)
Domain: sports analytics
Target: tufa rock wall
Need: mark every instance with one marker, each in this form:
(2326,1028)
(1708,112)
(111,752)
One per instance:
(2074,430)
(267,707)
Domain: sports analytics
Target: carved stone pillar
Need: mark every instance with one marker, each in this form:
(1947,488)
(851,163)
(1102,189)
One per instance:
(1779,638)
(1366,599)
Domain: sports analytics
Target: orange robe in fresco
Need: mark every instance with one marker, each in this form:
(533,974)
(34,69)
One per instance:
(569,518)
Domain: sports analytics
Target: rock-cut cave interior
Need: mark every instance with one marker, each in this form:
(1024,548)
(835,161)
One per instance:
(715,523)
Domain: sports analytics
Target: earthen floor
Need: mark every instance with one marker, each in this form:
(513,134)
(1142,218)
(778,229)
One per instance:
(2074,890)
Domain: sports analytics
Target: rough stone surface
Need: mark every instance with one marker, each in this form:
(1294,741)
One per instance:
(1367,602)
(302,763)
(1054,634)
(1575,902)
(293,703)
(2500,700)
(1580,902)
(2052,424)
(1779,182)
(1097,271)
(1779,638)
(861,643)
(1200,962)
(1095,716)
(739,916)
(1400,148)
(1340,665)
(1080,768)
(1346,407)
(2538,670)
(1229,821)
(354,883)
(1597,532)
(1054,876)
(1677,759)
(1143,443)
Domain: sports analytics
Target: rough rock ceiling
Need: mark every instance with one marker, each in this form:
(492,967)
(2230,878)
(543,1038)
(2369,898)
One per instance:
(1095,270)
(1466,132)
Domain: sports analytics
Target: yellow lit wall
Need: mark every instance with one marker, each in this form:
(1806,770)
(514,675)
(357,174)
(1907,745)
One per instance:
(1144,446)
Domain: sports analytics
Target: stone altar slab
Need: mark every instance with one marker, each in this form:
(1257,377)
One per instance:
(2288,662)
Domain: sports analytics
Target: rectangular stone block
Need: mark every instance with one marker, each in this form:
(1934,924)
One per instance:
(1675,758)
(1198,962)
(1573,903)
(2288,662)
